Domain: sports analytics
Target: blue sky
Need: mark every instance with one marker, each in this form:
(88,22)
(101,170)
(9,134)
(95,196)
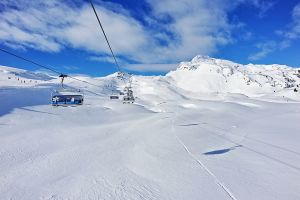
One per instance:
(148,36)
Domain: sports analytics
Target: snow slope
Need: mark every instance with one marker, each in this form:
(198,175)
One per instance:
(178,141)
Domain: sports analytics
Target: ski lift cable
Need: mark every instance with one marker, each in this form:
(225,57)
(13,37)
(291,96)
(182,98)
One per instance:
(92,92)
(100,24)
(107,41)
(48,68)
(30,61)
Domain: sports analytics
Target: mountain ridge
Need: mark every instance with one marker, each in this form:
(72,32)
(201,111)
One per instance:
(199,77)
(206,74)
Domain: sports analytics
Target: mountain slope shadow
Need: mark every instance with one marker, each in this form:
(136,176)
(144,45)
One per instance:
(12,97)
(36,111)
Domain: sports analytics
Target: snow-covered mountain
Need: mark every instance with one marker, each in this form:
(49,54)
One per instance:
(207,75)
(10,71)
(10,76)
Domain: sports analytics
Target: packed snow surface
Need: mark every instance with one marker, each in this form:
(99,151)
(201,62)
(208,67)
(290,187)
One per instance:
(211,129)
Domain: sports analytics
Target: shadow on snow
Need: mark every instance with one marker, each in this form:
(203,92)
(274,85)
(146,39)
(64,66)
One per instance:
(221,151)
(14,97)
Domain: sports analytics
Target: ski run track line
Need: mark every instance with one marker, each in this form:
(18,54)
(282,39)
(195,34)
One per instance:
(216,180)
(222,135)
(224,131)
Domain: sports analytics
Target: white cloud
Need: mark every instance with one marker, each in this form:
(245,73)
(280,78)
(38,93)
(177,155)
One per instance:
(288,35)
(151,67)
(267,48)
(293,32)
(53,25)
(125,34)
(263,5)
(174,30)
(264,50)
(105,58)
(10,34)
(196,27)
(71,67)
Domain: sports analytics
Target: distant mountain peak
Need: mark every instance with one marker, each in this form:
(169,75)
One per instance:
(22,73)
(207,74)
(201,60)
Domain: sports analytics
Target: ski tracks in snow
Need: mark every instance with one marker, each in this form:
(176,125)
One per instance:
(203,166)
(272,145)
(223,136)
(246,137)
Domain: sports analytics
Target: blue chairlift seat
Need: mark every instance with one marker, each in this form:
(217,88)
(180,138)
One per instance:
(67,97)
(114,97)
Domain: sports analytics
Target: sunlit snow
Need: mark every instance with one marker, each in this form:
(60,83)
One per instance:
(212,129)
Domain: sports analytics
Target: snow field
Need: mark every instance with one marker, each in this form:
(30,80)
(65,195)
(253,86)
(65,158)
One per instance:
(178,141)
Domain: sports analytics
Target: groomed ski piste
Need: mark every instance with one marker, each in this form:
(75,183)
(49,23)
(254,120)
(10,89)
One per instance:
(211,129)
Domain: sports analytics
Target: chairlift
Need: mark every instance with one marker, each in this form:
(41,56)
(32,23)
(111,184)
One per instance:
(66,97)
(128,95)
(114,95)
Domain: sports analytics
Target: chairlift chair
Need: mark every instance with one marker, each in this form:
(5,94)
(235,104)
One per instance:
(66,97)
(112,97)
(128,95)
